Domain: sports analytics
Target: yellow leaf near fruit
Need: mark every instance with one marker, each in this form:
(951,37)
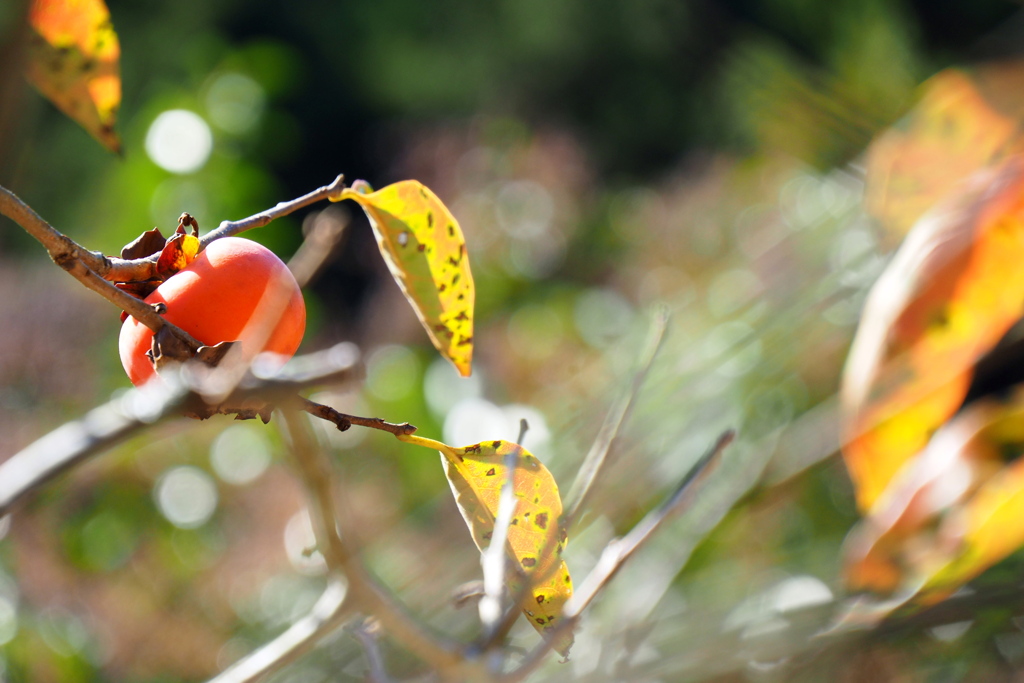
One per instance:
(423,246)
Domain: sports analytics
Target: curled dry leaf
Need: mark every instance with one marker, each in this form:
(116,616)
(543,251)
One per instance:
(146,244)
(74,61)
(476,474)
(179,251)
(423,246)
(951,293)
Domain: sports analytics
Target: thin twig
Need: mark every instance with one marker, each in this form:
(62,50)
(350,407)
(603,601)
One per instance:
(343,421)
(229,228)
(329,612)
(617,552)
(492,559)
(62,248)
(592,464)
(367,595)
(367,633)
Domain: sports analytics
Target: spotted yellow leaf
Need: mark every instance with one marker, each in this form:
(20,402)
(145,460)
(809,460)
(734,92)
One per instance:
(74,61)
(423,246)
(535,540)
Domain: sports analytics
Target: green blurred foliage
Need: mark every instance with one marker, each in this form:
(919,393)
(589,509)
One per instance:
(602,157)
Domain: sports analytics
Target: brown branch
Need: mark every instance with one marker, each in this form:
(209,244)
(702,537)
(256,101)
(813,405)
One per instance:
(344,421)
(84,266)
(366,594)
(110,424)
(229,228)
(62,248)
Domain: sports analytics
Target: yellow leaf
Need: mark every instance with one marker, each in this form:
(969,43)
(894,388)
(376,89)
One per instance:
(73,61)
(535,540)
(423,246)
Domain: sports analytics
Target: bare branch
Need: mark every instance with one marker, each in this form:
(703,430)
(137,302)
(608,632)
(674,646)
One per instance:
(73,442)
(60,247)
(329,612)
(115,421)
(344,421)
(229,228)
(595,459)
(85,266)
(63,249)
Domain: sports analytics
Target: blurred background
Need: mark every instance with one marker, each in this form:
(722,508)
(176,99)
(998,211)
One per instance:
(603,158)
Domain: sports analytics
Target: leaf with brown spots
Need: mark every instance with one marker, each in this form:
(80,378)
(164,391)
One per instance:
(476,474)
(423,246)
(74,61)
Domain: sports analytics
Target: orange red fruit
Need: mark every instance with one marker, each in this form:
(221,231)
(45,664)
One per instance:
(235,290)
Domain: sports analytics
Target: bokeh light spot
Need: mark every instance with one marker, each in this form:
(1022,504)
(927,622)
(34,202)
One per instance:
(179,141)
(240,454)
(235,102)
(186,496)
(392,372)
(443,387)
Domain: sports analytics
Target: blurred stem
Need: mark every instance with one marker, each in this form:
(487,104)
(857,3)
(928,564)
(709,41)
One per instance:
(365,594)
(329,612)
(598,454)
(618,551)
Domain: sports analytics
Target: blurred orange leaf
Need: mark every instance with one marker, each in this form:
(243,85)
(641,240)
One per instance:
(952,291)
(964,121)
(476,474)
(423,246)
(74,61)
(956,510)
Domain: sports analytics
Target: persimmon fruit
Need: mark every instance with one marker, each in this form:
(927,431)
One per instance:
(216,297)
